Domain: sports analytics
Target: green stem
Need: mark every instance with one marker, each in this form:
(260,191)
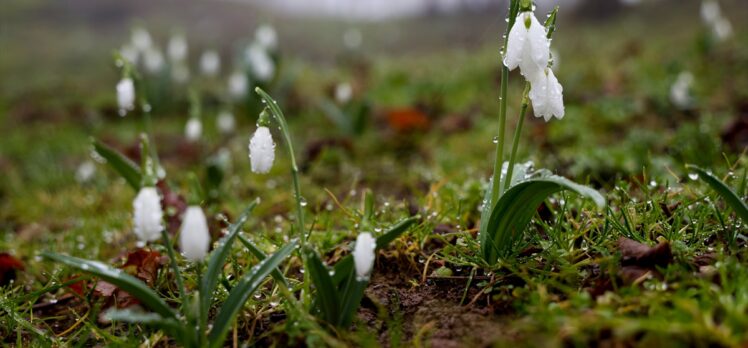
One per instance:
(203,315)
(174,266)
(515,141)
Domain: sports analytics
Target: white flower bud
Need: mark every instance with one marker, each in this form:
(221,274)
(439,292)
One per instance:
(126,95)
(141,39)
(177,48)
(547,96)
(260,62)
(194,237)
(147,214)
(710,11)
(238,85)
(527,46)
(680,91)
(225,122)
(364,254)
(266,36)
(343,92)
(210,63)
(153,60)
(261,150)
(193,129)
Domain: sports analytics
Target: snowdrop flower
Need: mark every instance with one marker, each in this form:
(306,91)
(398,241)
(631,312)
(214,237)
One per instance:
(194,238)
(129,53)
(710,11)
(193,129)
(722,29)
(343,92)
(352,39)
(363,255)
(266,36)
(225,122)
(125,95)
(238,85)
(147,214)
(260,62)
(210,63)
(177,48)
(141,39)
(680,91)
(85,172)
(547,96)
(527,46)
(153,60)
(261,150)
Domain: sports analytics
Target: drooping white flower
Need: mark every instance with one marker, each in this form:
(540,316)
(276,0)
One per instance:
(547,95)
(225,122)
(238,84)
(147,214)
(710,11)
(177,48)
(193,129)
(266,36)
(343,92)
(712,16)
(260,62)
(153,60)
(194,237)
(364,254)
(261,150)
(722,29)
(210,63)
(527,46)
(125,95)
(141,39)
(680,91)
(85,172)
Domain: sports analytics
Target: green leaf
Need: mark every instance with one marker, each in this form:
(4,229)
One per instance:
(351,299)
(218,257)
(337,116)
(276,273)
(511,214)
(117,277)
(327,294)
(732,199)
(241,292)
(121,164)
(151,319)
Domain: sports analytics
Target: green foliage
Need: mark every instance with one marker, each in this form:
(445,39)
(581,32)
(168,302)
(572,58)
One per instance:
(121,164)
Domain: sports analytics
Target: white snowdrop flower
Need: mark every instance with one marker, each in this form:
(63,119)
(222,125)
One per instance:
(260,62)
(680,91)
(343,92)
(126,95)
(141,39)
(153,60)
(547,96)
(177,48)
(352,39)
(147,214)
(527,46)
(85,172)
(129,53)
(225,122)
(210,63)
(710,11)
(261,150)
(266,36)
(364,254)
(193,129)
(722,29)
(180,73)
(238,84)
(194,237)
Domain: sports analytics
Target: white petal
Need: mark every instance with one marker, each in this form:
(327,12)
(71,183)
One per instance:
(546,95)
(193,129)
(194,237)
(515,44)
(261,150)
(363,255)
(225,122)
(210,63)
(126,94)
(538,43)
(147,214)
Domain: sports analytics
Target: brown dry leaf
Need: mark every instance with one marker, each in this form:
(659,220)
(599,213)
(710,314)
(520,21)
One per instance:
(642,255)
(404,120)
(9,265)
(144,264)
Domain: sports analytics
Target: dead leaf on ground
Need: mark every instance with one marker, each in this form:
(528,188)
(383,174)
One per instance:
(9,266)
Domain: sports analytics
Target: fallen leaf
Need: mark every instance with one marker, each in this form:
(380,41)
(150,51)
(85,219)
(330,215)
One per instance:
(405,120)
(642,255)
(9,266)
(144,264)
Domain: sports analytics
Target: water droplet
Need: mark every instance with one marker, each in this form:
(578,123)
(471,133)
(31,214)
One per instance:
(495,139)
(302,201)
(693,176)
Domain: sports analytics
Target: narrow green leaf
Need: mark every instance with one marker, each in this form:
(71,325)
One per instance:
(351,299)
(732,199)
(121,164)
(241,292)
(336,116)
(511,214)
(151,319)
(117,277)
(327,295)
(218,257)
(276,273)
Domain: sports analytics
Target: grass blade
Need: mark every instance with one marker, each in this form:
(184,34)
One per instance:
(151,319)
(326,292)
(124,281)
(276,273)
(517,206)
(241,292)
(351,296)
(121,164)
(732,199)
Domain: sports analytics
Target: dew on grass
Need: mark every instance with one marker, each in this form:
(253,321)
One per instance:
(302,201)
(693,176)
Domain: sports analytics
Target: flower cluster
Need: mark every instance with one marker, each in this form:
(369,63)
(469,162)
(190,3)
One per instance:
(712,16)
(528,47)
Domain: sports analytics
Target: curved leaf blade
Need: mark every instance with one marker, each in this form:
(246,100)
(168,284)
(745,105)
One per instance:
(254,250)
(124,281)
(732,199)
(152,319)
(511,214)
(241,292)
(326,292)
(121,164)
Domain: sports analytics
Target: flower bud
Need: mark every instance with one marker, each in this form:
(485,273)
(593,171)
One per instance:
(364,254)
(126,95)
(210,63)
(261,150)
(527,46)
(193,129)
(547,96)
(147,214)
(194,238)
